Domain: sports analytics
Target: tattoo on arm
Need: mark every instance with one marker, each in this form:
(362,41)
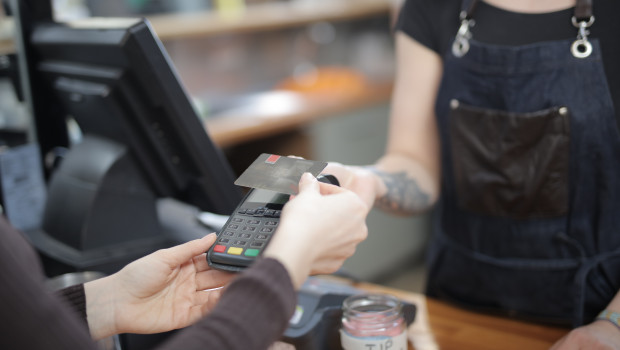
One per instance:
(403,196)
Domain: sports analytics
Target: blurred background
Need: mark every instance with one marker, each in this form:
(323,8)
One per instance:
(310,78)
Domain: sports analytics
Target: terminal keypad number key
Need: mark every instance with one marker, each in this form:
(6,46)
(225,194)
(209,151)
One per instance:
(246,235)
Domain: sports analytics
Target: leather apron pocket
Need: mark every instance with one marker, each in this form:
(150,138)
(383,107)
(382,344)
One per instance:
(510,164)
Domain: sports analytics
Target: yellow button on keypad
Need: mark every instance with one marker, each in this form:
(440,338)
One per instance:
(235,250)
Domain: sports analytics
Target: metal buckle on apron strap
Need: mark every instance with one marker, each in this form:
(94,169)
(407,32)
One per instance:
(581,47)
(460,46)
(583,19)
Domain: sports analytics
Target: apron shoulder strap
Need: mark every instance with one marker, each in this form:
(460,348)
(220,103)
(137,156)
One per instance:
(467,8)
(583,10)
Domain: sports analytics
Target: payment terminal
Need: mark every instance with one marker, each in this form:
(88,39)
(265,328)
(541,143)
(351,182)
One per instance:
(248,230)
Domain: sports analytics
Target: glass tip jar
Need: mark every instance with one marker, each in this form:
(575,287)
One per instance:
(373,322)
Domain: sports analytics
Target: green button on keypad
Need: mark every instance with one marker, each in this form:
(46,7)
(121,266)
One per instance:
(251,252)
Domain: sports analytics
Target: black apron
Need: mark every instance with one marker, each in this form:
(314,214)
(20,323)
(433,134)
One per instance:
(528,220)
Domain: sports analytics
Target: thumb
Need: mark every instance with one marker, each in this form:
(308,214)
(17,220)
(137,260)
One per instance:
(181,253)
(308,183)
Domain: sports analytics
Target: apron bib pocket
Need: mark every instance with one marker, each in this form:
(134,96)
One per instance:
(508,164)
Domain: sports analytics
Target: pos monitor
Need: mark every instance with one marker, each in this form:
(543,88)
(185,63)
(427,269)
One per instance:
(143,143)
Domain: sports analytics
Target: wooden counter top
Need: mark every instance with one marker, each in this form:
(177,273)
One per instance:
(279,111)
(442,326)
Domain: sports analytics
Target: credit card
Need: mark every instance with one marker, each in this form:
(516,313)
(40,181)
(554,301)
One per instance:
(278,173)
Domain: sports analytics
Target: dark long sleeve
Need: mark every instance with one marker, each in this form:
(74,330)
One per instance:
(31,317)
(76,297)
(252,313)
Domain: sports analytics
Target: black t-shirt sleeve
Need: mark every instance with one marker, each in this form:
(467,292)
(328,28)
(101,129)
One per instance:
(432,23)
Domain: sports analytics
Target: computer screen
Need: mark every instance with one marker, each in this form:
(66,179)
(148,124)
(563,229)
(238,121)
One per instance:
(115,79)
(142,139)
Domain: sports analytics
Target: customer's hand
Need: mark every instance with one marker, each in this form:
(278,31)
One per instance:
(319,228)
(597,335)
(165,290)
(357,179)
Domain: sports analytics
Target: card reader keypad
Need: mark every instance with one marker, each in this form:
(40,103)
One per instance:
(246,235)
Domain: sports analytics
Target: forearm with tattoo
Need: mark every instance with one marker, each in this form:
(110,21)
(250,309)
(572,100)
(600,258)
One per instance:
(403,196)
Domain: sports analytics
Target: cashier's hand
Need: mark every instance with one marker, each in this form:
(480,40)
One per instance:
(319,229)
(165,290)
(597,335)
(357,179)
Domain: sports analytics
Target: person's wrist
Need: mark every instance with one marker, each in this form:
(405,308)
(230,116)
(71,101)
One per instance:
(294,256)
(295,263)
(101,308)
(297,272)
(378,185)
(610,317)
